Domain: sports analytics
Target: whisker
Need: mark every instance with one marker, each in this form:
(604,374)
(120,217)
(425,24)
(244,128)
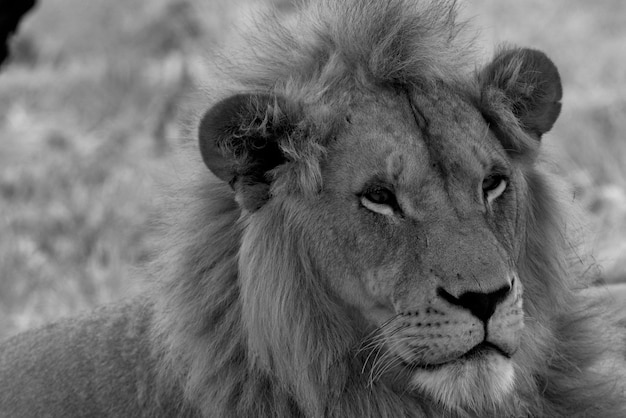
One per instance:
(394,361)
(374,340)
(390,358)
(376,350)
(371,339)
(379,364)
(377,359)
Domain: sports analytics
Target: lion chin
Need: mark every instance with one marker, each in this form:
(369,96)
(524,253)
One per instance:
(475,384)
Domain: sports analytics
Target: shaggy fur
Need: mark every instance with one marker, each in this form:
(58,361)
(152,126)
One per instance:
(282,347)
(242,323)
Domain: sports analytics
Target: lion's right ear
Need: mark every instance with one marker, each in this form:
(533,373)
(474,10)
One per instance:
(240,142)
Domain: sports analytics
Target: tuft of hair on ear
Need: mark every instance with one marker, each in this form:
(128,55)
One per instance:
(240,138)
(521,86)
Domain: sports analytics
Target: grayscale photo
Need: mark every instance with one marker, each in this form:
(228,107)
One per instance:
(313,208)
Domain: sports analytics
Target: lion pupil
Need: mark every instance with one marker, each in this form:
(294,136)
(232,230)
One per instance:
(381,197)
(492,182)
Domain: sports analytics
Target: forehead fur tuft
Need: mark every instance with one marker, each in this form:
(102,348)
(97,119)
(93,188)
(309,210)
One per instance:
(330,51)
(332,46)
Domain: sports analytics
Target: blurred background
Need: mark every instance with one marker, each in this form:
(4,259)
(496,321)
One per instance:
(90,118)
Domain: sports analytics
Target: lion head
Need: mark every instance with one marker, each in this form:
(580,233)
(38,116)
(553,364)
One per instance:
(384,240)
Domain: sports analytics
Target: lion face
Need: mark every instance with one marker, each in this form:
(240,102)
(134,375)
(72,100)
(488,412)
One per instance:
(422,240)
(409,219)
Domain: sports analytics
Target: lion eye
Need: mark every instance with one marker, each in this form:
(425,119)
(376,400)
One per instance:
(493,186)
(380,200)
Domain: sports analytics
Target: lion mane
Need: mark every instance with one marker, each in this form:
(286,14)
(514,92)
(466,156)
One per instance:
(243,321)
(280,344)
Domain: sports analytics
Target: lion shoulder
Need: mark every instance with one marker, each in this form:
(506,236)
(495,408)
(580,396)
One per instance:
(100,363)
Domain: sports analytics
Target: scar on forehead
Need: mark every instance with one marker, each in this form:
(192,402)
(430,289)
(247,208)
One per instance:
(395,165)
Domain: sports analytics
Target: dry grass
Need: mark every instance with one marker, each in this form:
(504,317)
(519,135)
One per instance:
(82,129)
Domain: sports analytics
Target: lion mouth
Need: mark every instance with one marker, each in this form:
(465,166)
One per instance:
(482,349)
(476,353)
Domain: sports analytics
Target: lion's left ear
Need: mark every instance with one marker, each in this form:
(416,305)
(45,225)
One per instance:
(240,139)
(531,84)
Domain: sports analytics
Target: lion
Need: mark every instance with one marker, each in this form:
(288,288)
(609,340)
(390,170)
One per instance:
(378,234)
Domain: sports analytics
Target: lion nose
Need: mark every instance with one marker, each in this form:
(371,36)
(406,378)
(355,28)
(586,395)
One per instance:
(481,305)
